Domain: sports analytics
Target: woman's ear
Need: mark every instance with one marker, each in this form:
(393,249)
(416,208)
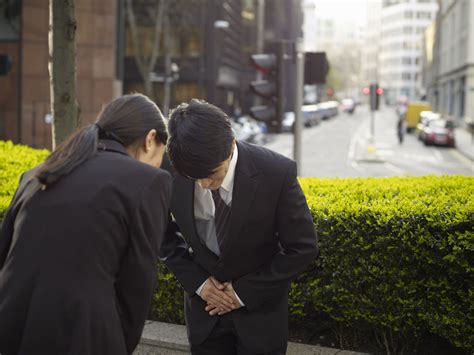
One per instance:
(150,140)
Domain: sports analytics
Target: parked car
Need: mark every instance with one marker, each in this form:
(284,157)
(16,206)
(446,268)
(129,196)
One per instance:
(348,105)
(328,109)
(412,114)
(311,115)
(439,132)
(249,130)
(425,118)
(288,122)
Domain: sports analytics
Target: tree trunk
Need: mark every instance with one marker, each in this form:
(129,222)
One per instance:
(62,69)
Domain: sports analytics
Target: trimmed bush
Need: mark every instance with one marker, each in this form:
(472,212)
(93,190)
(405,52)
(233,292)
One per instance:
(396,254)
(14,161)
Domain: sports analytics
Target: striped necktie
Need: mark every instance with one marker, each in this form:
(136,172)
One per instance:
(221,218)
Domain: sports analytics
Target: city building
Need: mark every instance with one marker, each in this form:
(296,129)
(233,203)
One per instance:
(429,63)
(450,76)
(340,35)
(309,26)
(24,91)
(371,48)
(212,50)
(403,24)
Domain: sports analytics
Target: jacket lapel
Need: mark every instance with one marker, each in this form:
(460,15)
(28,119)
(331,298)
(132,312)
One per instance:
(245,186)
(182,207)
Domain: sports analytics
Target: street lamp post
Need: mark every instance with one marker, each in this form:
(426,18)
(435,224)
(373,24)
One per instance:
(298,125)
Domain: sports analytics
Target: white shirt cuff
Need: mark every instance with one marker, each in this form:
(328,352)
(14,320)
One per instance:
(238,299)
(198,291)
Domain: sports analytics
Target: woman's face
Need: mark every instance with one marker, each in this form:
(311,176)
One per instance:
(154,156)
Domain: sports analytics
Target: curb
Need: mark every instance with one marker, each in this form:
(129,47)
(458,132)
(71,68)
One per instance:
(171,339)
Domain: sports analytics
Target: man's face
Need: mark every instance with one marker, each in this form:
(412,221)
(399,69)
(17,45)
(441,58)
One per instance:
(214,181)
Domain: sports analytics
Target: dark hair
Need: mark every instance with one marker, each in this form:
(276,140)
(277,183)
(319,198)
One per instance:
(127,119)
(201,138)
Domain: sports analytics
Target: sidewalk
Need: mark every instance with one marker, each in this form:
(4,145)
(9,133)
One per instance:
(464,142)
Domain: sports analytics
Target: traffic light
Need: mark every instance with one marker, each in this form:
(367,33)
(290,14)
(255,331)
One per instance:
(271,89)
(375,92)
(316,68)
(5,64)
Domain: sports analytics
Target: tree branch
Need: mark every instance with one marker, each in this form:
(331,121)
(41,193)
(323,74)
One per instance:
(158,29)
(139,58)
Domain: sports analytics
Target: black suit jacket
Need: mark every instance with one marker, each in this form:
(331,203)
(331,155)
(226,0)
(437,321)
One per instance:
(271,239)
(78,260)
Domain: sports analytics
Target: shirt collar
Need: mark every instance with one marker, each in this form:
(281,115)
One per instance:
(228,183)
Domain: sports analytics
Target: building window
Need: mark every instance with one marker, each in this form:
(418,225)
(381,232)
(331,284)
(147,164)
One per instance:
(10,20)
(406,76)
(408,14)
(406,60)
(423,15)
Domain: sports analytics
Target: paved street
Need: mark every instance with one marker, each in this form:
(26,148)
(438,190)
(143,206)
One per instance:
(338,148)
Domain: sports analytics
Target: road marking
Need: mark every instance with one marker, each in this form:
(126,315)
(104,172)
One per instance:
(383,145)
(394,169)
(355,140)
(462,159)
(356,166)
(420,158)
(352,147)
(438,155)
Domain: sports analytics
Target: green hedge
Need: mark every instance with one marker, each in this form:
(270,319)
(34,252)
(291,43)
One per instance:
(396,254)
(15,160)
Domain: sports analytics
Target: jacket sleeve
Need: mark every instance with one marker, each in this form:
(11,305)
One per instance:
(297,238)
(6,232)
(137,275)
(175,254)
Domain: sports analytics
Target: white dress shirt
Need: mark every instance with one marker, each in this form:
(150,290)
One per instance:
(204,210)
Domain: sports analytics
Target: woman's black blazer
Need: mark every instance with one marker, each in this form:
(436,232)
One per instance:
(78,260)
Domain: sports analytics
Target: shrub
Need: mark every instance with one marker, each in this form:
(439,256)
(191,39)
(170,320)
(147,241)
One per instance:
(167,304)
(15,160)
(396,253)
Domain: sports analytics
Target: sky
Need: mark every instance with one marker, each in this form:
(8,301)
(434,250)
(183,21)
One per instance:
(355,10)
(347,15)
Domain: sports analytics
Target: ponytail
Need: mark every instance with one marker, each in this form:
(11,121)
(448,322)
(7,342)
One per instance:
(78,148)
(126,119)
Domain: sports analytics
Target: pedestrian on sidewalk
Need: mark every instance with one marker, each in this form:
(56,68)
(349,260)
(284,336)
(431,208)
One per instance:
(247,234)
(80,240)
(401,128)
